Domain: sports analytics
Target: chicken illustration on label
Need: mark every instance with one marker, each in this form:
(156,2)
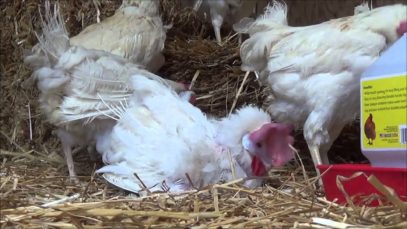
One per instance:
(370,129)
(384,109)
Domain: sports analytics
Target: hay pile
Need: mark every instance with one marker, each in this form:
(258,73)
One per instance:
(34,190)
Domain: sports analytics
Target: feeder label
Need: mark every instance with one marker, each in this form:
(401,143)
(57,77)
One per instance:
(384,112)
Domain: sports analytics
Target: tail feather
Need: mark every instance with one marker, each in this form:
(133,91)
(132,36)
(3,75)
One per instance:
(364,7)
(277,12)
(264,32)
(55,39)
(53,42)
(255,51)
(243,25)
(275,15)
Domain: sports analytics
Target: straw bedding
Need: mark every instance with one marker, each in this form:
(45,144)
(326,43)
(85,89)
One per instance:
(34,189)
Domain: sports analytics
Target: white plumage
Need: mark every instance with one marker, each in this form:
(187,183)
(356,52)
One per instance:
(161,138)
(140,125)
(136,23)
(364,7)
(78,83)
(314,71)
(135,32)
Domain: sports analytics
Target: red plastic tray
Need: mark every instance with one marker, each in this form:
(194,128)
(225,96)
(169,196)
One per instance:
(359,188)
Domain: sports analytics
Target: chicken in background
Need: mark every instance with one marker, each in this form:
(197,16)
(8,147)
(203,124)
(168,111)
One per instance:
(65,75)
(136,22)
(314,71)
(226,11)
(370,129)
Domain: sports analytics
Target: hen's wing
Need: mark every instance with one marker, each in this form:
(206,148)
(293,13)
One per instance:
(99,84)
(325,48)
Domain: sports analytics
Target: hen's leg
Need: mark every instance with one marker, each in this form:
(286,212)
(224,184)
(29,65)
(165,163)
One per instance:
(315,134)
(67,144)
(316,159)
(217,34)
(217,21)
(67,149)
(320,131)
(315,155)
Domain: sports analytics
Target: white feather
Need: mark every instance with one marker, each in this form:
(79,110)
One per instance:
(364,7)
(162,138)
(83,91)
(275,15)
(135,32)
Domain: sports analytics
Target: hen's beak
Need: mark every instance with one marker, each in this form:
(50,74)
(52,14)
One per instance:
(248,145)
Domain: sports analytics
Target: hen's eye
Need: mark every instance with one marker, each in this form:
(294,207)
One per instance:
(258,145)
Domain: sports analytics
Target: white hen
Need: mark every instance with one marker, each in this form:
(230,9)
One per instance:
(314,71)
(69,94)
(229,11)
(136,22)
(135,32)
(164,140)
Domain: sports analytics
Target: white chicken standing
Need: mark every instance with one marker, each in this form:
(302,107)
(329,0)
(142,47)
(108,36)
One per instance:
(65,76)
(229,11)
(314,71)
(135,32)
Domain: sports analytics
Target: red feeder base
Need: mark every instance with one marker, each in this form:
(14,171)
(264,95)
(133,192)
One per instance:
(359,188)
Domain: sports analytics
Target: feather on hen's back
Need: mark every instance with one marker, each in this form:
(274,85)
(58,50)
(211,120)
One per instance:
(152,144)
